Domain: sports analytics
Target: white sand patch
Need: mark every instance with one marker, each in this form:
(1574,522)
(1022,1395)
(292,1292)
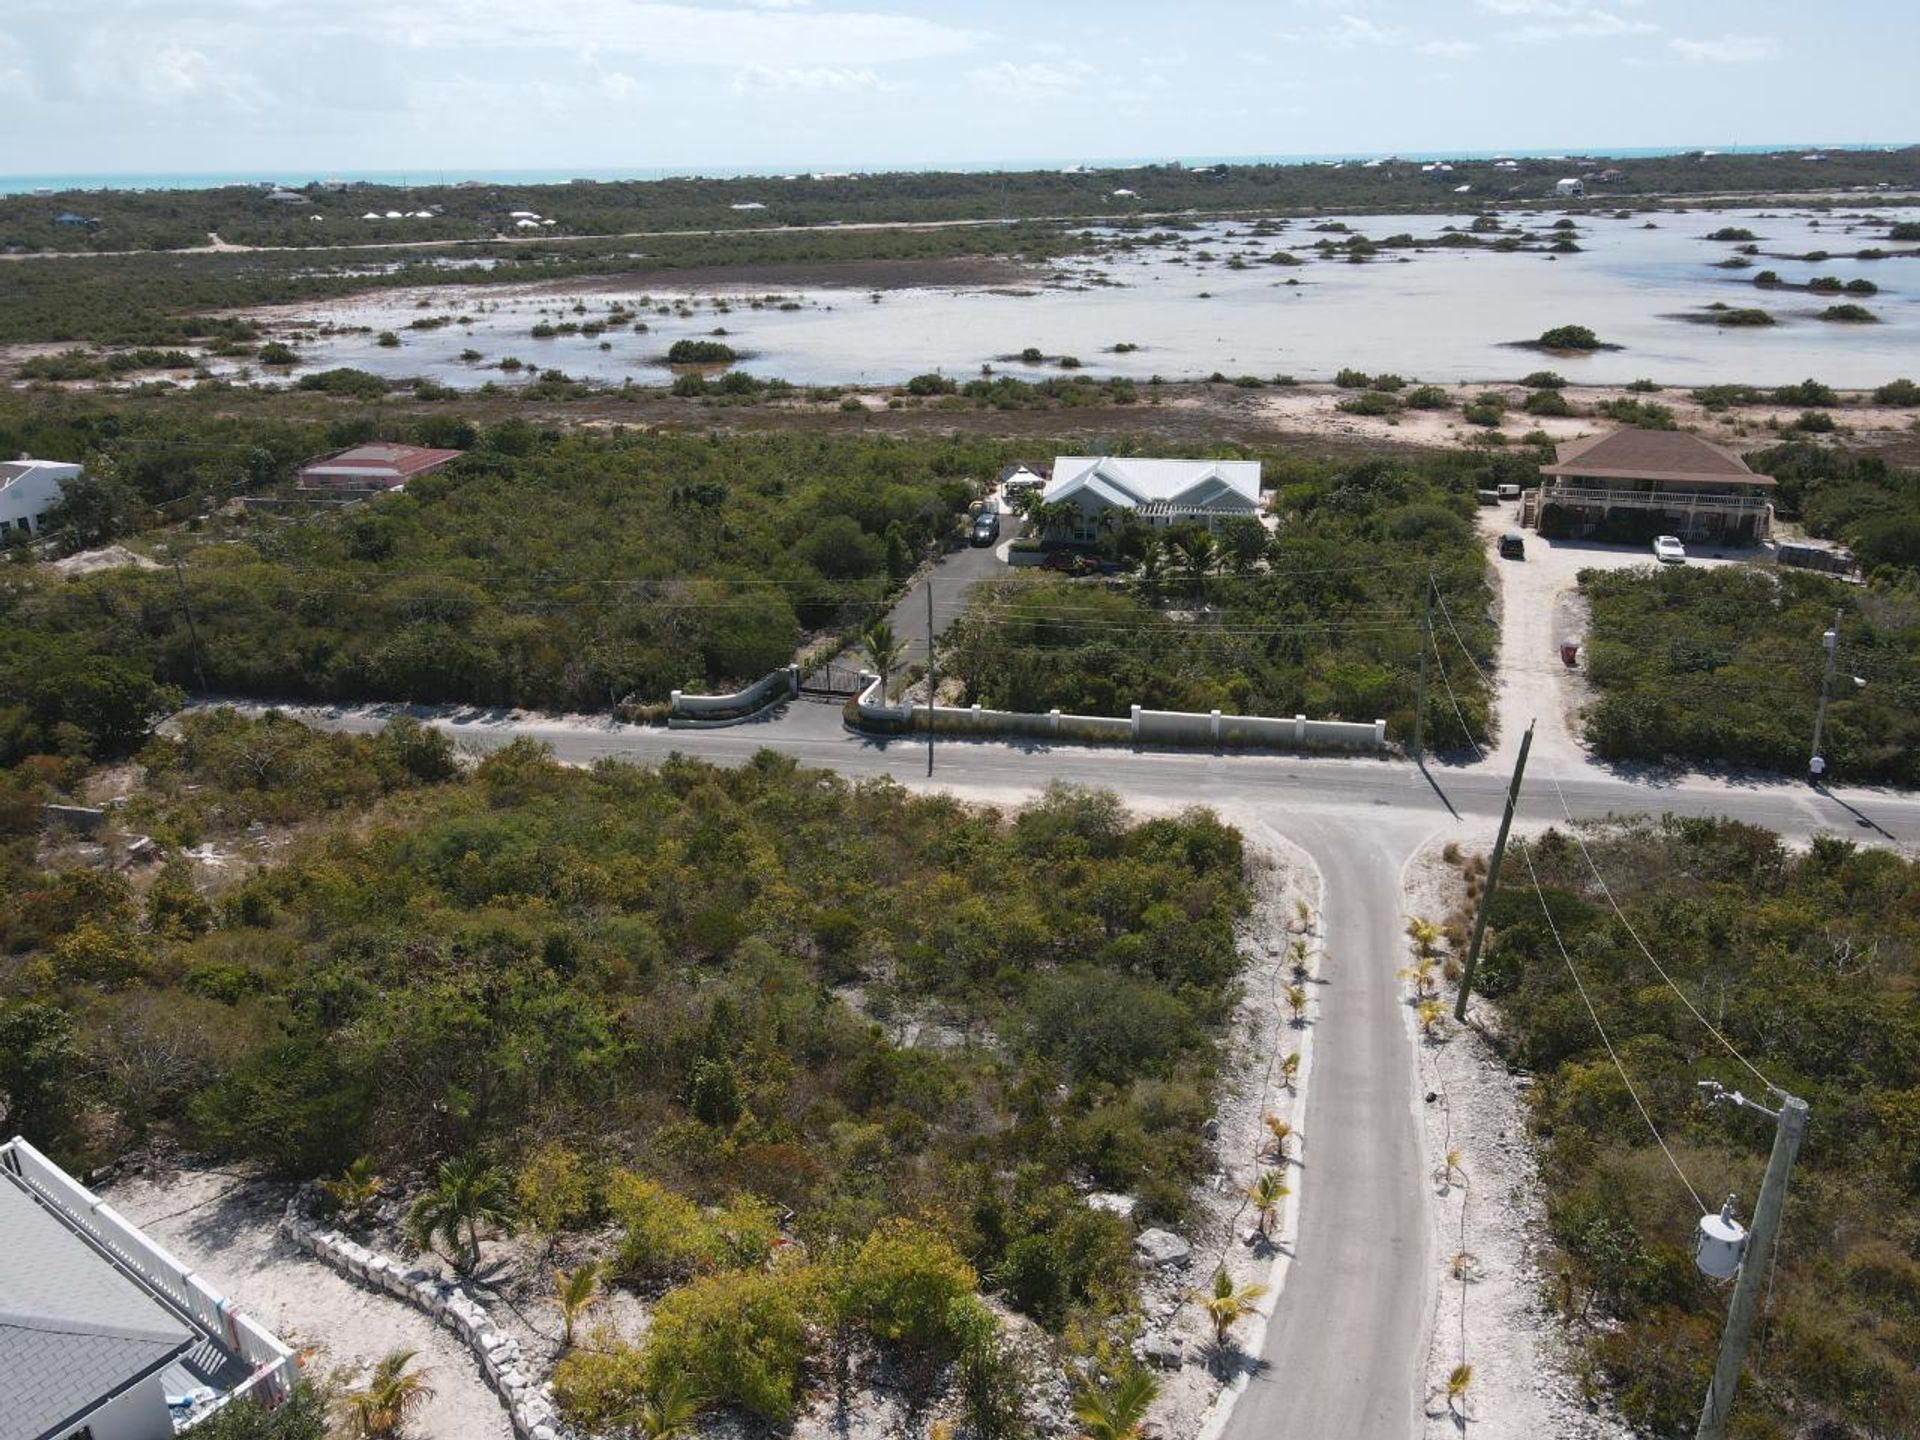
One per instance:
(226,1223)
(1489,1220)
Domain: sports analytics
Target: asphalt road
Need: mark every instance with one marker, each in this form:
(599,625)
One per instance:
(1343,1354)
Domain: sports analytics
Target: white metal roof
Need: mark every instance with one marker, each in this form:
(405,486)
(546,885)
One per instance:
(1133,481)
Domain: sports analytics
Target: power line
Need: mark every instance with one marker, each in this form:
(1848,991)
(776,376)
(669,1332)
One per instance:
(1613,1055)
(1453,700)
(1601,880)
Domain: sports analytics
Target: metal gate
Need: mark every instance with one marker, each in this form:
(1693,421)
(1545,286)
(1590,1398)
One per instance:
(832,680)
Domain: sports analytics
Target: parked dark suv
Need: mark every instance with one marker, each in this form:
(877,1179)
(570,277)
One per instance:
(1513,546)
(986,528)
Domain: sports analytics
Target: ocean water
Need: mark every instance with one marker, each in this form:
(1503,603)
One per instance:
(1444,315)
(210,179)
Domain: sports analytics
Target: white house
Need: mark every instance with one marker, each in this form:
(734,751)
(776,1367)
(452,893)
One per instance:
(29,489)
(105,1335)
(1569,187)
(1156,492)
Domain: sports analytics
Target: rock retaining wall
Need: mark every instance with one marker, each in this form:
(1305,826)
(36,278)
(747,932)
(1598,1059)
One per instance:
(528,1400)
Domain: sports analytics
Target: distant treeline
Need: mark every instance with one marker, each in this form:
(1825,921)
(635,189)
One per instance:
(177,219)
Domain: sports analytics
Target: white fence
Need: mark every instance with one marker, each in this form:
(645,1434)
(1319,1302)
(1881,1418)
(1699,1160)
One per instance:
(1144,727)
(274,1366)
(695,712)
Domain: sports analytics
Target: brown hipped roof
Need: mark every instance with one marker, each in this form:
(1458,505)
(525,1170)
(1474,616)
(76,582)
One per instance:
(1653,455)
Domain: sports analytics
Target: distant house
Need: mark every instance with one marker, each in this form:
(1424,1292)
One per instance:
(287,197)
(1019,479)
(1665,481)
(67,217)
(369,469)
(1155,492)
(1569,187)
(103,1334)
(29,489)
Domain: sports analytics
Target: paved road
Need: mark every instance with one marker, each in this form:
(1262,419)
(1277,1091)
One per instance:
(1344,1353)
(952,577)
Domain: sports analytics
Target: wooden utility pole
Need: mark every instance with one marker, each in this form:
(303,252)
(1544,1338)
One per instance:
(1756,1260)
(186,609)
(933,676)
(1426,646)
(1493,877)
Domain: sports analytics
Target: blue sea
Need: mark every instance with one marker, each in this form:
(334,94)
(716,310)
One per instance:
(203,180)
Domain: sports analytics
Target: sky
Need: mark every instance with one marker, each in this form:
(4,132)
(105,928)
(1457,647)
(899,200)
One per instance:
(294,89)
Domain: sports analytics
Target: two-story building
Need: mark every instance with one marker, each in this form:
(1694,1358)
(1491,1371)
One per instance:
(1632,483)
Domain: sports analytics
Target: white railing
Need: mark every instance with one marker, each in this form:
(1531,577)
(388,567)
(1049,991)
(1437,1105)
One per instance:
(1654,499)
(1150,727)
(152,1265)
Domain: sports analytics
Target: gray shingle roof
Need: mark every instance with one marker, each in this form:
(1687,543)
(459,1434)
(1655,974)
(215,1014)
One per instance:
(73,1328)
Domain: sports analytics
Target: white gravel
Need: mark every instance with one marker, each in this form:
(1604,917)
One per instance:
(226,1224)
(1496,1315)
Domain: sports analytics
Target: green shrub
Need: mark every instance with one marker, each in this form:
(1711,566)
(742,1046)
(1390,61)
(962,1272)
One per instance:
(1732,232)
(701,352)
(599,1388)
(1849,314)
(1487,409)
(1386,381)
(932,384)
(1544,380)
(1351,379)
(1897,392)
(1569,337)
(1547,402)
(1738,318)
(1370,402)
(274,352)
(1767,278)
(902,1286)
(1815,422)
(737,1338)
(1807,392)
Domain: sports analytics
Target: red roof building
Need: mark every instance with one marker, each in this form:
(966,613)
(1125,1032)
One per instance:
(375,467)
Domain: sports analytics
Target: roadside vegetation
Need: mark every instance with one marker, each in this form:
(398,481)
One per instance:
(1320,617)
(812,1059)
(1805,960)
(1725,665)
(544,568)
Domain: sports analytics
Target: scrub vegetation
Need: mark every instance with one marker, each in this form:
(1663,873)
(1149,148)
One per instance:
(1806,961)
(821,1057)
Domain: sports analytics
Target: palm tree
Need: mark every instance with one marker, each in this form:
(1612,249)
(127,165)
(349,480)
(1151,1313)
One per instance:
(467,1193)
(1433,1018)
(883,651)
(1290,1069)
(1458,1379)
(1114,1411)
(1280,1132)
(575,1292)
(355,1191)
(1199,554)
(668,1410)
(1425,936)
(1266,1192)
(1296,998)
(380,1409)
(1228,1303)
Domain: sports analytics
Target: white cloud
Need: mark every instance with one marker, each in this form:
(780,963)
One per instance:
(1450,49)
(660,31)
(818,79)
(1350,31)
(1580,23)
(1727,50)
(1036,78)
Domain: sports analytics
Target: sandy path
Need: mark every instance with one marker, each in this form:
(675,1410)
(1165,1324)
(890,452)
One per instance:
(1540,608)
(229,1225)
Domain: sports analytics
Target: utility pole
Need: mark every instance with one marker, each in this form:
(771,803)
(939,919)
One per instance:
(933,676)
(1756,1259)
(1817,763)
(199,669)
(1493,877)
(1426,645)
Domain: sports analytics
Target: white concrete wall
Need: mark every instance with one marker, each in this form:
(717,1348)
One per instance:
(139,1414)
(684,709)
(25,503)
(1146,727)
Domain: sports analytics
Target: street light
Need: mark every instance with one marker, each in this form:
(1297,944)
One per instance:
(1817,764)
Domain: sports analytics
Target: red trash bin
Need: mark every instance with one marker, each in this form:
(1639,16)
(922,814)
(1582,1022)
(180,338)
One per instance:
(1569,652)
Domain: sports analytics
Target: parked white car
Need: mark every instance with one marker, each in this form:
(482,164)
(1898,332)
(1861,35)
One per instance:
(1668,550)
